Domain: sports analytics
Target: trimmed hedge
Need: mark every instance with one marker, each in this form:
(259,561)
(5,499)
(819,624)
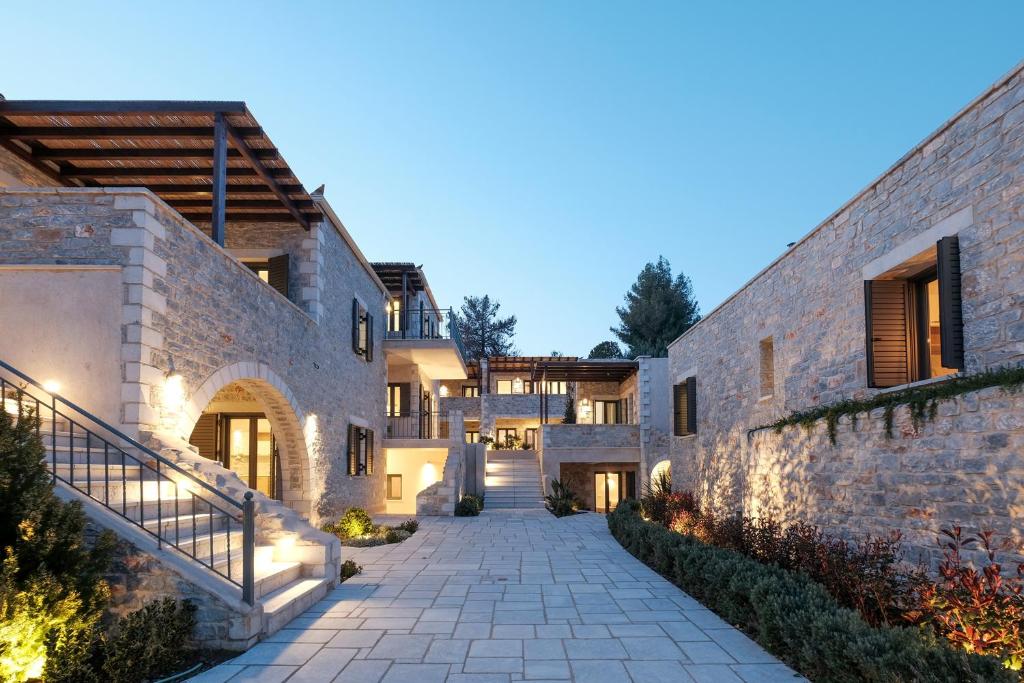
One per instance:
(792,616)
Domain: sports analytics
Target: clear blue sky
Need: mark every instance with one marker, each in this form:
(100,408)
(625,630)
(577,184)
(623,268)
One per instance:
(542,152)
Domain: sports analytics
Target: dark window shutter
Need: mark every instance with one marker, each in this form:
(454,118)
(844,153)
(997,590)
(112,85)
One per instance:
(355,326)
(278,275)
(679,409)
(353,450)
(405,396)
(951,320)
(369,337)
(204,435)
(369,450)
(886,312)
(691,405)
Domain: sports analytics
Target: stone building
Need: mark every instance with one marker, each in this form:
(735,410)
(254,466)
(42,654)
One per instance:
(916,279)
(165,274)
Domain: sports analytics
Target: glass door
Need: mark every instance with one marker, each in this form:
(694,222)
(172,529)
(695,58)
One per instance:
(250,451)
(607,491)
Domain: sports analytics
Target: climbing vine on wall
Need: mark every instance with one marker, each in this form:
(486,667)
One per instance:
(923,402)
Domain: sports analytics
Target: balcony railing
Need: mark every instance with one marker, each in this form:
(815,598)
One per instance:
(417,425)
(427,323)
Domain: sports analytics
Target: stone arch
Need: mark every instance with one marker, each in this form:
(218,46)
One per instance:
(287,420)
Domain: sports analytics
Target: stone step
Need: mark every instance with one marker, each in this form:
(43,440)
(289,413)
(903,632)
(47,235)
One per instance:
(288,602)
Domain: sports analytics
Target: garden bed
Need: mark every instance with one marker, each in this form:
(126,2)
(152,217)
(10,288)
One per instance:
(355,529)
(793,616)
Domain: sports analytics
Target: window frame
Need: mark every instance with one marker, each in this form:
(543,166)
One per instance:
(387,487)
(473,389)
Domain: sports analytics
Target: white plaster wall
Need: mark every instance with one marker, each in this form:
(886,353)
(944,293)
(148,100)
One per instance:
(410,463)
(64,324)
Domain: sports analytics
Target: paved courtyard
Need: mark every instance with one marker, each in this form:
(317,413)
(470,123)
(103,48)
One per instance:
(507,596)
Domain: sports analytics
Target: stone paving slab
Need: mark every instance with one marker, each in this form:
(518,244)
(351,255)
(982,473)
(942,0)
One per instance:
(514,595)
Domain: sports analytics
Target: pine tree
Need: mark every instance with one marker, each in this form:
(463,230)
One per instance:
(606,349)
(658,309)
(483,332)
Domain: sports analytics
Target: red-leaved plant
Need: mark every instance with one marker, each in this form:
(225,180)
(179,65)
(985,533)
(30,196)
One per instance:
(980,611)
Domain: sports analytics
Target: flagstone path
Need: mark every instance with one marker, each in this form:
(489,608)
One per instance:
(506,596)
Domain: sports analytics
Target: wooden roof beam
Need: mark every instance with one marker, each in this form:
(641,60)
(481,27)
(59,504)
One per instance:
(170,172)
(266,174)
(98,154)
(117,132)
(116,107)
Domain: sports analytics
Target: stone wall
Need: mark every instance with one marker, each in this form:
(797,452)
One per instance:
(966,179)
(579,478)
(187,299)
(591,436)
(469,407)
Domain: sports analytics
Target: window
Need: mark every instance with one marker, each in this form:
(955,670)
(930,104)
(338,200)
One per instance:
(913,319)
(394,315)
(504,386)
(506,438)
(394,487)
(684,407)
(559,387)
(360,450)
(530,438)
(472,437)
(273,271)
(398,399)
(362,331)
(514,386)
(471,391)
(607,412)
(767,352)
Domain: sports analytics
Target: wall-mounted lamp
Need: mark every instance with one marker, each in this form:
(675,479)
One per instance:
(51,386)
(444,391)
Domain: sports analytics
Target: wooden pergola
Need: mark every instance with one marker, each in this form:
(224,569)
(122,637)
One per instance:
(211,161)
(579,370)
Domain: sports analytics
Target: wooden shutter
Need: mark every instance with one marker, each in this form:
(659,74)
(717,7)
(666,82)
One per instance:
(278,275)
(369,337)
(951,322)
(691,405)
(405,397)
(355,326)
(353,450)
(368,443)
(204,435)
(679,409)
(887,317)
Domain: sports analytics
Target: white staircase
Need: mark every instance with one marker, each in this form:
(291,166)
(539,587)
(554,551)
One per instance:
(513,480)
(148,499)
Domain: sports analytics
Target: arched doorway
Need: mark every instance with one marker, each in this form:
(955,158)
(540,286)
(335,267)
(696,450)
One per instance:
(253,427)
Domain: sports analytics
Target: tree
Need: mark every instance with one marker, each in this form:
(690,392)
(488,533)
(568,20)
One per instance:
(483,332)
(658,309)
(606,349)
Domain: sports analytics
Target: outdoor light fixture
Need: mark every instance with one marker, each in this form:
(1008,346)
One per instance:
(174,388)
(52,386)
(444,391)
(517,386)
(585,409)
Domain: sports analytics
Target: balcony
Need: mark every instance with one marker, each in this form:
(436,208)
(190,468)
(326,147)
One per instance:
(419,425)
(428,338)
(522,405)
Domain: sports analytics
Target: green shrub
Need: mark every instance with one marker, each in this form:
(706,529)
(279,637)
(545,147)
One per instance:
(468,506)
(562,501)
(349,568)
(396,535)
(355,522)
(410,525)
(793,616)
(149,643)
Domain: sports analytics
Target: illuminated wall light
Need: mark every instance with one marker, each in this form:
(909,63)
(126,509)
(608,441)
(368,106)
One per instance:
(444,391)
(52,386)
(310,431)
(428,475)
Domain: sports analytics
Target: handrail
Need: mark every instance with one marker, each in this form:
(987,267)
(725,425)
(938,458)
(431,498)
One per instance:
(121,435)
(417,424)
(156,466)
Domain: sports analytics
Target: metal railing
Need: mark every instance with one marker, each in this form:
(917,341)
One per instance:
(129,479)
(417,425)
(427,323)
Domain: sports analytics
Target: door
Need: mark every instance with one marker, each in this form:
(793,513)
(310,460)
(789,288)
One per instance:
(250,452)
(607,491)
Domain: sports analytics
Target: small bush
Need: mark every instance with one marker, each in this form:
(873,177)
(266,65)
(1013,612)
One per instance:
(561,501)
(349,568)
(468,506)
(355,522)
(150,643)
(793,616)
(410,525)
(396,535)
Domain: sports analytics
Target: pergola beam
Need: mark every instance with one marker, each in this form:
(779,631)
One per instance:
(219,177)
(205,189)
(117,132)
(238,143)
(241,203)
(98,154)
(171,172)
(249,217)
(116,107)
